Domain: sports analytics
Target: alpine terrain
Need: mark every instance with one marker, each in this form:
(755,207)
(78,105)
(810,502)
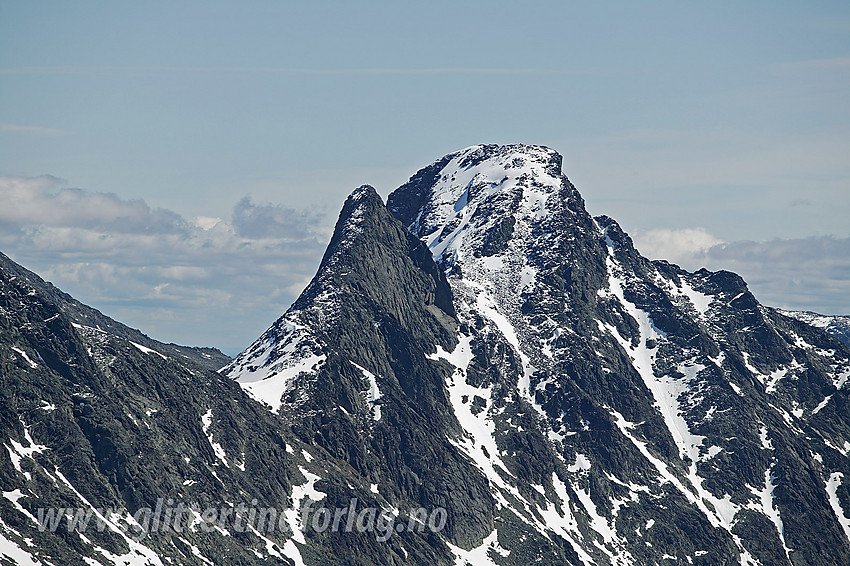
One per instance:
(479,348)
(837,325)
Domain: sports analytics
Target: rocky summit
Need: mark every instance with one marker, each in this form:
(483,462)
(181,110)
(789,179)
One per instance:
(479,356)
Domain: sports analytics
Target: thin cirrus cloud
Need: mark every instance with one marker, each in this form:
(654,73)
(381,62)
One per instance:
(832,63)
(35,130)
(205,281)
(286,70)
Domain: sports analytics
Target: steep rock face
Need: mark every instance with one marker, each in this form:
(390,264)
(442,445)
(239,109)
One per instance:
(347,366)
(92,420)
(679,417)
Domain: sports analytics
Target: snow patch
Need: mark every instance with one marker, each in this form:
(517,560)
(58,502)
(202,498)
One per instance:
(220,454)
(18,451)
(373,393)
(581,464)
(665,390)
(276,382)
(15,554)
(821,405)
(26,358)
(700,301)
(480,555)
(146,350)
(478,441)
(139,554)
(832,484)
(766,506)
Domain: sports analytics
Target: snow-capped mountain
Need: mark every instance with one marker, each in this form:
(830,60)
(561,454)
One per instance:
(479,346)
(567,400)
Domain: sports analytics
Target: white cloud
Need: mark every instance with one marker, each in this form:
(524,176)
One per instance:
(272,221)
(683,247)
(205,222)
(37,201)
(205,281)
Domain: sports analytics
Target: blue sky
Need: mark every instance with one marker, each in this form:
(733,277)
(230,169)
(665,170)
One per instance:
(700,127)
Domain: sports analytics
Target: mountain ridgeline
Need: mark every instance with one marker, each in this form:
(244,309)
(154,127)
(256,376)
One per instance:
(837,325)
(478,345)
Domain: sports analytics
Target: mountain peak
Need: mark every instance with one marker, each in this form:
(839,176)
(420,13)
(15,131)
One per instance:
(362,198)
(362,204)
(372,268)
(524,152)
(363,221)
(363,192)
(449,178)
(474,202)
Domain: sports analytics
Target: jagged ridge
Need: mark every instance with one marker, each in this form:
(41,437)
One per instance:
(626,408)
